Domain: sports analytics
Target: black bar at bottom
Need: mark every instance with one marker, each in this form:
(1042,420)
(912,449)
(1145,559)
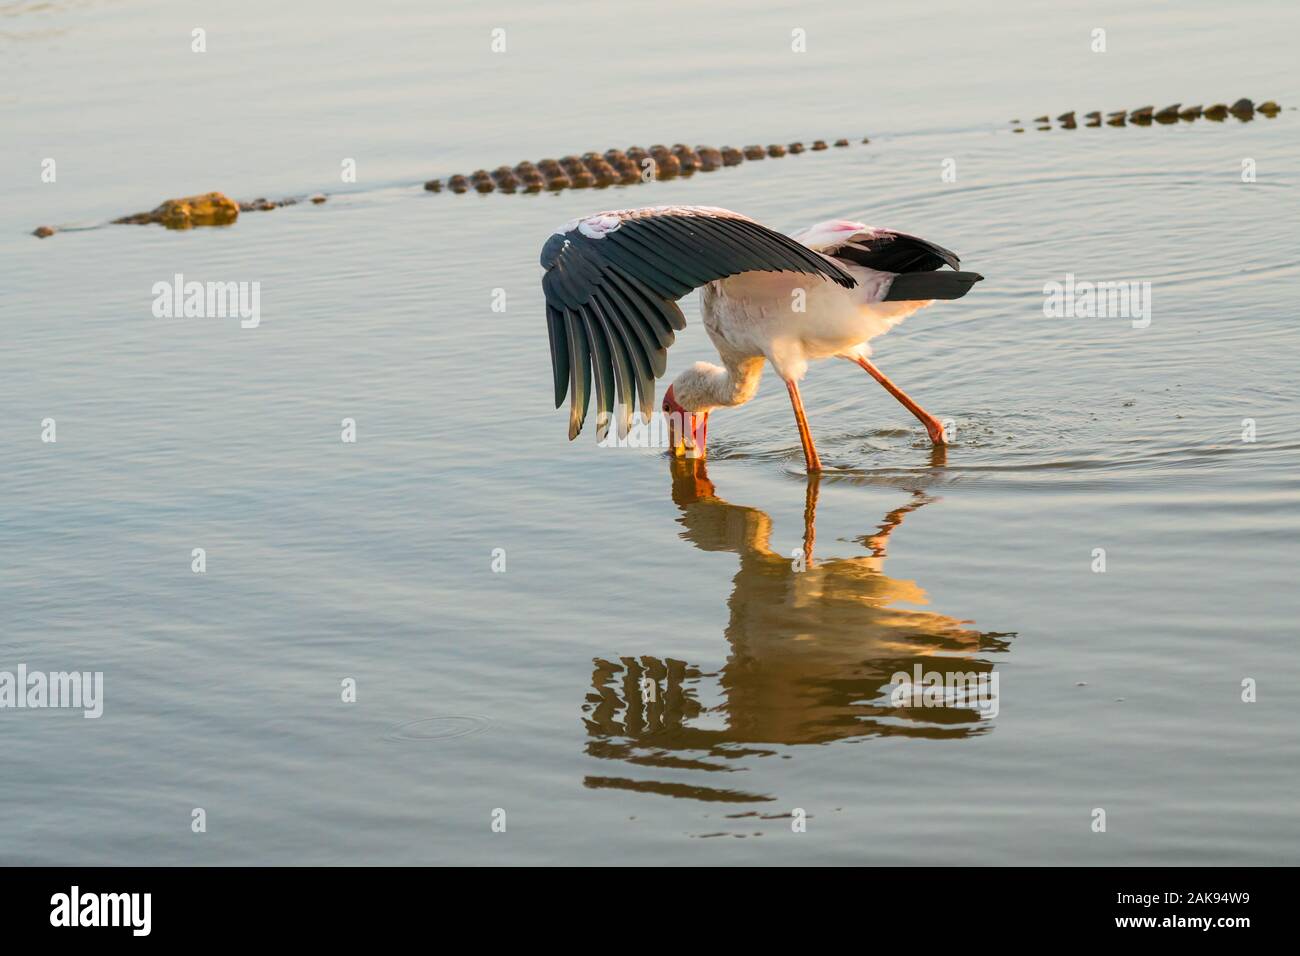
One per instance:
(214,904)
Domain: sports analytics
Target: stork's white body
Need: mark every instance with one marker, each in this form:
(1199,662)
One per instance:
(791,320)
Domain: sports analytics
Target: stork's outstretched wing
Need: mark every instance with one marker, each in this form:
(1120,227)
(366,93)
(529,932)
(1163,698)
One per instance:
(611,285)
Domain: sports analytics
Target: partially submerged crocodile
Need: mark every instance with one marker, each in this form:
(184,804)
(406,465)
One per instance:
(1243,109)
(617,167)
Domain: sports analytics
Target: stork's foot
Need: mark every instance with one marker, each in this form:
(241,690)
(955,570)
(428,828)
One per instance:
(934,428)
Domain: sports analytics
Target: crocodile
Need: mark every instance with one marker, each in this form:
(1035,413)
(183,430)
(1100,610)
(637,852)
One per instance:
(619,167)
(1243,109)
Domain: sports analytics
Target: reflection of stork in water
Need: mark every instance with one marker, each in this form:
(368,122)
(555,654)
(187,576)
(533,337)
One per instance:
(812,653)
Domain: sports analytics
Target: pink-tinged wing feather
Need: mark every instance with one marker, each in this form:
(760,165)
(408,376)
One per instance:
(884,250)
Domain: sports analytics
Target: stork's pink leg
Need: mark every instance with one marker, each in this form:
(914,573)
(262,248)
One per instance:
(932,424)
(805,436)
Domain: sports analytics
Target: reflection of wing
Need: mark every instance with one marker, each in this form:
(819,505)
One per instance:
(647,701)
(611,283)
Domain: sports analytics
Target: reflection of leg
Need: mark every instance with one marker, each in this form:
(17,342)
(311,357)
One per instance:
(878,542)
(932,425)
(805,436)
(810,516)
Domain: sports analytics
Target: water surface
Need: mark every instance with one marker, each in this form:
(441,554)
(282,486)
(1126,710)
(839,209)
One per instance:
(649,680)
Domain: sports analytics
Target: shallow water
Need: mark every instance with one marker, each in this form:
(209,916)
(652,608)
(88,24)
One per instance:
(650,679)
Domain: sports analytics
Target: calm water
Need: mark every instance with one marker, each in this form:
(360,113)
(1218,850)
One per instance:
(531,690)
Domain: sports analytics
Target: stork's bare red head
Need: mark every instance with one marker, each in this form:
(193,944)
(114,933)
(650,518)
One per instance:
(687,432)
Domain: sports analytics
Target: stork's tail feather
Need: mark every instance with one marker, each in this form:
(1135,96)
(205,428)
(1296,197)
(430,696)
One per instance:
(915,286)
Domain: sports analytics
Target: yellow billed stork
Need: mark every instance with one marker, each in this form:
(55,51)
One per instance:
(612,281)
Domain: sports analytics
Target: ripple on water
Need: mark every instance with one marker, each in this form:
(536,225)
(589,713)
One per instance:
(437,728)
